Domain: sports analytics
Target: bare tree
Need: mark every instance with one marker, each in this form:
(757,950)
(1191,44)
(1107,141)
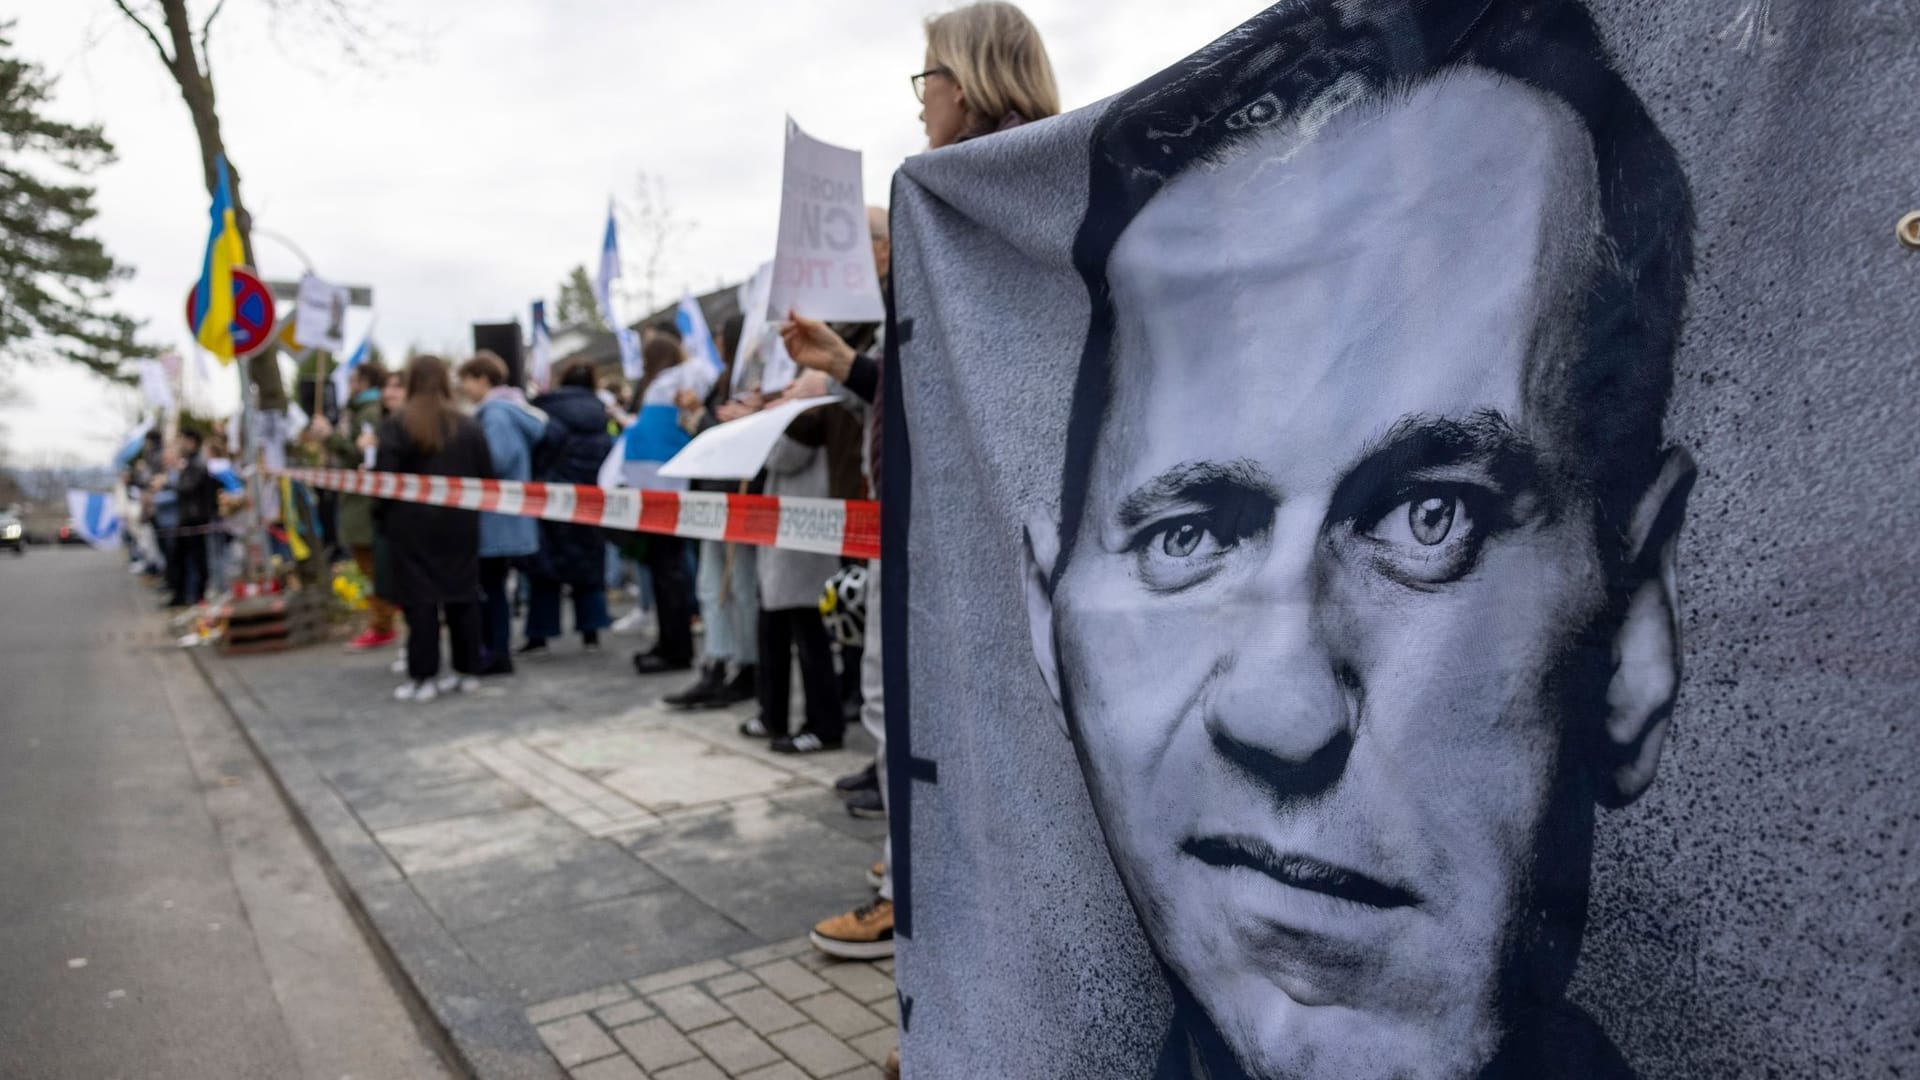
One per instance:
(180,40)
(659,229)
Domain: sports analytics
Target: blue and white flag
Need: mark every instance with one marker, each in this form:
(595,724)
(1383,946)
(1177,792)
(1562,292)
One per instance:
(343,373)
(695,337)
(134,443)
(603,292)
(94,517)
(542,349)
(609,268)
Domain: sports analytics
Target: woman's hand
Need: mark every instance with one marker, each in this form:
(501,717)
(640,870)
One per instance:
(815,347)
(810,384)
(745,405)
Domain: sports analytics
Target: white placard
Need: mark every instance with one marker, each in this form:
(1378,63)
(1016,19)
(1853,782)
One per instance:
(736,450)
(154,384)
(823,266)
(320,315)
(760,360)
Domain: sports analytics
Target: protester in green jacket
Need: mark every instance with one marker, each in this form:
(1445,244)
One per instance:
(349,447)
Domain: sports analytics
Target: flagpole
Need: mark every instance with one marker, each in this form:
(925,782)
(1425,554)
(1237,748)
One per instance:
(319,383)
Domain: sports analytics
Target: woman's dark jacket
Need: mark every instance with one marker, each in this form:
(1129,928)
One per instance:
(576,444)
(433,551)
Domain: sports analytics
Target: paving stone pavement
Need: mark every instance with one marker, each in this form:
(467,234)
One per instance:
(768,1013)
(580,882)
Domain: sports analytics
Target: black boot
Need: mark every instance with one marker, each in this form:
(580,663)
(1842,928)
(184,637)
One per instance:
(742,687)
(652,663)
(712,678)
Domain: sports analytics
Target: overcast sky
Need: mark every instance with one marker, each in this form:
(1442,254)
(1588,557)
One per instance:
(465,173)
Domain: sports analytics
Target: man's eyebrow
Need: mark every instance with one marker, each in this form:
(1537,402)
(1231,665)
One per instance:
(1421,443)
(1196,481)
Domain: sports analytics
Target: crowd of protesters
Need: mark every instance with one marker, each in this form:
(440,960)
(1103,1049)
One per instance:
(180,526)
(464,575)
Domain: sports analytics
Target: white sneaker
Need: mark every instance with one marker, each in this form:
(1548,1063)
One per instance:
(458,684)
(419,692)
(631,621)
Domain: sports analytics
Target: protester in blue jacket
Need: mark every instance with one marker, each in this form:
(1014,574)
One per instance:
(513,428)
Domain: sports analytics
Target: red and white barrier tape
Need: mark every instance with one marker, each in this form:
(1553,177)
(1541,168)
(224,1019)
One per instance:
(849,528)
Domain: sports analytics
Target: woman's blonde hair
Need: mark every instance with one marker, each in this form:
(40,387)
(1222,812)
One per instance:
(996,55)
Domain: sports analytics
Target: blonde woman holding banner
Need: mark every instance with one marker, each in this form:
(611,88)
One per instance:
(986,70)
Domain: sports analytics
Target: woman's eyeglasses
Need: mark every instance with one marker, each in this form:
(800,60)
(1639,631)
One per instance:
(920,82)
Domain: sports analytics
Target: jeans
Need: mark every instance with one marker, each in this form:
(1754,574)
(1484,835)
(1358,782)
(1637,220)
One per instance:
(423,639)
(543,609)
(781,633)
(187,567)
(496,610)
(729,591)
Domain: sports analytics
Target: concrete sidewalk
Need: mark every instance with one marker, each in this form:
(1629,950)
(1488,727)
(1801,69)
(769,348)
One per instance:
(580,882)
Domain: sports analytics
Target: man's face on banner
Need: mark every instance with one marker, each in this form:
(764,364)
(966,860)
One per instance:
(1337,579)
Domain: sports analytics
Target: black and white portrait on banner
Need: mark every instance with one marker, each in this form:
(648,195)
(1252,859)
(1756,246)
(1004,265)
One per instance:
(1352,573)
(1369,420)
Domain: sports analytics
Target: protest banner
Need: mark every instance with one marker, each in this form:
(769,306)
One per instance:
(760,360)
(737,450)
(155,385)
(823,266)
(320,314)
(1398,556)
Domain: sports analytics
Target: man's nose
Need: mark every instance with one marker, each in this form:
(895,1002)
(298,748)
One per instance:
(1285,702)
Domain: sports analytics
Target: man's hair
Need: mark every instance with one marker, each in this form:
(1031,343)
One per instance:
(1300,61)
(486,364)
(666,328)
(370,374)
(580,373)
(191,436)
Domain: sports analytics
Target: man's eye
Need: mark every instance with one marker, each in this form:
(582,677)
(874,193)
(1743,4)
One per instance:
(1182,540)
(1431,537)
(1426,521)
(1431,520)
(1182,552)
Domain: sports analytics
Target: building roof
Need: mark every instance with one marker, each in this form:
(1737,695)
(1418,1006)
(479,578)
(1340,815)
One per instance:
(718,306)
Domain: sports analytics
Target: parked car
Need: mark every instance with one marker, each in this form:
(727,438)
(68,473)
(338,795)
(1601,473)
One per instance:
(13,534)
(70,533)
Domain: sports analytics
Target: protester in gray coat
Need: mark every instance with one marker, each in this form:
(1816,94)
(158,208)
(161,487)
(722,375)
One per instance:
(790,584)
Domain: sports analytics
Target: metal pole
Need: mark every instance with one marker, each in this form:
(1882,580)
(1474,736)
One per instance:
(253,529)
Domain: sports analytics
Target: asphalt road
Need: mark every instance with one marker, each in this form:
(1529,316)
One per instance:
(160,914)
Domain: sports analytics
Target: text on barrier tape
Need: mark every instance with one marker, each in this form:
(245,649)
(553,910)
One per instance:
(849,528)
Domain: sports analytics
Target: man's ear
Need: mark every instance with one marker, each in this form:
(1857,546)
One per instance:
(1038,556)
(1646,648)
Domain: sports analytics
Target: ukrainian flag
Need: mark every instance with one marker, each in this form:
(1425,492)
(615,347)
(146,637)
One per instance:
(213,296)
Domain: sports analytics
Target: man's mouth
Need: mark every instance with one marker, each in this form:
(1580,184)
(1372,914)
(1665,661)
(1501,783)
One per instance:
(1298,871)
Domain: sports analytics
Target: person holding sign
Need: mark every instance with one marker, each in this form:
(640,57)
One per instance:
(986,71)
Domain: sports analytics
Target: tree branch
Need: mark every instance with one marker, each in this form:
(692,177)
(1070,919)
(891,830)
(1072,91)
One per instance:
(206,58)
(147,30)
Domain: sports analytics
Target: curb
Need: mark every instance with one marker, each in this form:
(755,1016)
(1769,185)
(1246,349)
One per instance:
(479,1034)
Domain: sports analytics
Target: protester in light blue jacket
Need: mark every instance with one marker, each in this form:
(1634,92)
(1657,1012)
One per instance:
(512,428)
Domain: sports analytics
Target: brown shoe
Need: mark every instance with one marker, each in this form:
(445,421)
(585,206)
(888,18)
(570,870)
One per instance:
(893,1064)
(865,933)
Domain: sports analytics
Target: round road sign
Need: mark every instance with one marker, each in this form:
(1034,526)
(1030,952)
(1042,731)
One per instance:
(252,312)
